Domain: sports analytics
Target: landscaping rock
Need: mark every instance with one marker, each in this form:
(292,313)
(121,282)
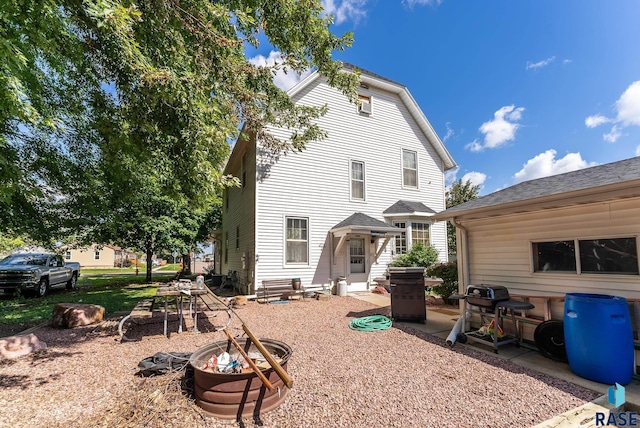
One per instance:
(17,346)
(70,315)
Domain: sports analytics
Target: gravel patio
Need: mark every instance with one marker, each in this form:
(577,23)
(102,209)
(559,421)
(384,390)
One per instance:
(400,377)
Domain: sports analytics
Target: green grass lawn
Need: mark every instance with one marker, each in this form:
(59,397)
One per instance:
(114,293)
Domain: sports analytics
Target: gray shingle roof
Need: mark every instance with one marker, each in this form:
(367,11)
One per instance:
(408,207)
(581,180)
(362,220)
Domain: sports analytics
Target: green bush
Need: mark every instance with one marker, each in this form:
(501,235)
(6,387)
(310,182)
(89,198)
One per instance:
(418,256)
(449,274)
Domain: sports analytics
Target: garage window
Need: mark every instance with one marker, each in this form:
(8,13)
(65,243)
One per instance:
(591,256)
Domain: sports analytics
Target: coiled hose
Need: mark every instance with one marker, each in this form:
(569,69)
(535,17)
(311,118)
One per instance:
(370,323)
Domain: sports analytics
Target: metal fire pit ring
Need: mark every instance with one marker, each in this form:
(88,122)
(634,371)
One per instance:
(238,395)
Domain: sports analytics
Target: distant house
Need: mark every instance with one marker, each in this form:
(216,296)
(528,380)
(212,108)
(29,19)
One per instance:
(573,232)
(100,256)
(346,205)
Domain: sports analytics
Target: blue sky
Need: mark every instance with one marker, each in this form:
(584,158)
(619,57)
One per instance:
(516,90)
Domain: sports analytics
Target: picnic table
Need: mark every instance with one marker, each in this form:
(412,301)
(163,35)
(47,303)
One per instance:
(180,290)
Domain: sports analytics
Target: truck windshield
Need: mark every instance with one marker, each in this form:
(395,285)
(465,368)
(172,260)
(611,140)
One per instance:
(30,259)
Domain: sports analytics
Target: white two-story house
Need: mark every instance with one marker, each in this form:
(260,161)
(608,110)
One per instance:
(344,206)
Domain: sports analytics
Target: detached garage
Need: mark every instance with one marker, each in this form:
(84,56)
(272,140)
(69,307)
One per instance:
(570,233)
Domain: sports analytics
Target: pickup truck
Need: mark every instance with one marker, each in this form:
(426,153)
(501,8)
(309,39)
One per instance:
(36,273)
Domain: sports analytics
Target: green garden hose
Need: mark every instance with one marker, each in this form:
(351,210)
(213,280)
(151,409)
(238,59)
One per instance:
(370,323)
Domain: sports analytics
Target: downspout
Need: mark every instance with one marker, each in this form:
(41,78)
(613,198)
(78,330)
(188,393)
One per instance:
(465,255)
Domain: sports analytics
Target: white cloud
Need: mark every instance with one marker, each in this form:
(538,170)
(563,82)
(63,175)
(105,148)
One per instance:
(476,178)
(596,120)
(627,113)
(344,10)
(567,61)
(450,176)
(499,130)
(449,133)
(628,105)
(282,80)
(474,146)
(539,64)
(613,136)
(545,164)
(638,151)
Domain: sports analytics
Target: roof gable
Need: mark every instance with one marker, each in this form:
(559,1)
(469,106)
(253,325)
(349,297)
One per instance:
(408,207)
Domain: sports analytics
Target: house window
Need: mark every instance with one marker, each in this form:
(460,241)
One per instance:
(608,256)
(401,240)
(67,255)
(226,199)
(237,237)
(420,233)
(409,168)
(356,255)
(357,180)
(364,104)
(297,240)
(96,255)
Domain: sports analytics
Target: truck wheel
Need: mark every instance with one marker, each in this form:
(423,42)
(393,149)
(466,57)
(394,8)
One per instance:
(43,287)
(72,283)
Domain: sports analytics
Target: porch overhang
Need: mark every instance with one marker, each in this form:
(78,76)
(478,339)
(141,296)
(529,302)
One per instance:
(362,224)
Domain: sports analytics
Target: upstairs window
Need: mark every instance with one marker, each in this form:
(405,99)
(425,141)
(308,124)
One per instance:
(297,245)
(364,104)
(96,255)
(409,168)
(67,255)
(357,180)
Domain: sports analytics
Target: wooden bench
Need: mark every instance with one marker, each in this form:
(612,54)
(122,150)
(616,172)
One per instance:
(277,288)
(144,309)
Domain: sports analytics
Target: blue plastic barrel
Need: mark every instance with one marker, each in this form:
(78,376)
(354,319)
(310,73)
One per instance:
(598,337)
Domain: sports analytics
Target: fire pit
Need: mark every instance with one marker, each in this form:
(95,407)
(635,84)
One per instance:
(237,395)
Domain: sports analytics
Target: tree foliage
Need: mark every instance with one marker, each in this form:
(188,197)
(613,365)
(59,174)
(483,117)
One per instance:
(457,194)
(90,90)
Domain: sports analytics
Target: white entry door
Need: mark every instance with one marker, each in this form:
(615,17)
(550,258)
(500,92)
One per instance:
(357,264)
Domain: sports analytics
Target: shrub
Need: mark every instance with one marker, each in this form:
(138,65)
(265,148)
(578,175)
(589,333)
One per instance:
(418,256)
(449,274)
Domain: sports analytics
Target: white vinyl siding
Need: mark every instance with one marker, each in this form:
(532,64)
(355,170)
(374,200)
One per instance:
(297,245)
(357,181)
(409,168)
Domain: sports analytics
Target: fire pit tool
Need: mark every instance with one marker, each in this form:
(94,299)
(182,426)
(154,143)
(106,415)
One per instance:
(255,368)
(274,364)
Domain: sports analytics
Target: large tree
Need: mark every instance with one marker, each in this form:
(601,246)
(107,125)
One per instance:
(457,194)
(86,82)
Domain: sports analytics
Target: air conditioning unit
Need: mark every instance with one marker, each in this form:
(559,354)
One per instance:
(364,107)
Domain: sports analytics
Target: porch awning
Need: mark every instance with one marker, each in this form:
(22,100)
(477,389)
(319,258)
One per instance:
(362,223)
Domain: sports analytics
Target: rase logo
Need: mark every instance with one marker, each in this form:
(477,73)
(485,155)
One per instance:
(623,419)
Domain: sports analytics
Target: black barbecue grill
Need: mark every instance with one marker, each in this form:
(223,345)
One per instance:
(486,296)
(489,301)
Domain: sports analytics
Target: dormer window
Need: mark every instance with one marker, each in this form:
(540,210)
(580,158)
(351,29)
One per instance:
(364,104)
